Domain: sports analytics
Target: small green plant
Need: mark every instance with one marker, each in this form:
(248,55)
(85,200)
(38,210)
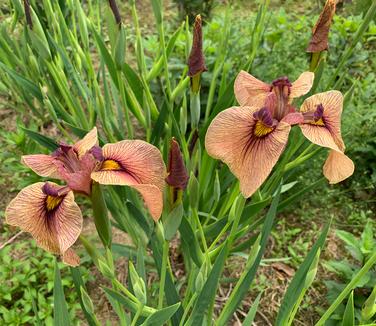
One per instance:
(360,249)
(27,280)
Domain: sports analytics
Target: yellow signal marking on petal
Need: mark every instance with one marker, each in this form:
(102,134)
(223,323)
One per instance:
(319,122)
(110,165)
(52,202)
(261,129)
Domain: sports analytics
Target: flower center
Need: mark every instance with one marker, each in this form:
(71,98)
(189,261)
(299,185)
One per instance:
(52,202)
(110,165)
(262,130)
(264,124)
(281,88)
(318,118)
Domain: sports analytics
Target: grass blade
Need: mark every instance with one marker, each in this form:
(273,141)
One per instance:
(61,315)
(297,284)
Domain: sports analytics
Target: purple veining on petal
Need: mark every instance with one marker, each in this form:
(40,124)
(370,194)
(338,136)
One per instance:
(317,115)
(265,116)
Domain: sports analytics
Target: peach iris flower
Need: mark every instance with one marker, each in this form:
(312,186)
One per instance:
(251,138)
(133,163)
(48,211)
(322,126)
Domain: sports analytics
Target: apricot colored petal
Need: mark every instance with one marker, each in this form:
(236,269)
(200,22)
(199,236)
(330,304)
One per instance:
(293,118)
(153,198)
(71,258)
(140,160)
(332,102)
(338,167)
(319,135)
(230,138)
(302,85)
(85,144)
(41,164)
(54,231)
(151,194)
(249,91)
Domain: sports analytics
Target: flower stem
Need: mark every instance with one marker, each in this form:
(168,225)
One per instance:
(101,219)
(345,293)
(163,274)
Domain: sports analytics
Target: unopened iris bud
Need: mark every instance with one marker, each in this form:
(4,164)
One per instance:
(177,177)
(196,60)
(115,11)
(177,173)
(28,14)
(320,32)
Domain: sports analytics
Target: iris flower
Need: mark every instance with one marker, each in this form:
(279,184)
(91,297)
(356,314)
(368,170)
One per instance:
(48,211)
(251,138)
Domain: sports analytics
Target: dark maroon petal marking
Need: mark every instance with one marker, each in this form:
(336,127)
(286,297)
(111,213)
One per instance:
(281,83)
(317,115)
(54,190)
(265,116)
(97,152)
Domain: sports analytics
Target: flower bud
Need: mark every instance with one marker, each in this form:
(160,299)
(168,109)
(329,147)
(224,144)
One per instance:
(115,11)
(29,21)
(196,60)
(320,32)
(177,173)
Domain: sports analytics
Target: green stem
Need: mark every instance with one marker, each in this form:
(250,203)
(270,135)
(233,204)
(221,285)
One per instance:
(163,274)
(202,236)
(186,309)
(138,314)
(346,291)
(100,212)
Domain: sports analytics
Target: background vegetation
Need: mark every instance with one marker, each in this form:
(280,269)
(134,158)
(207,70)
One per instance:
(28,271)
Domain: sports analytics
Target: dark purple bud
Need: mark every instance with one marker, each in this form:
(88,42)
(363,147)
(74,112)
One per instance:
(177,173)
(264,116)
(320,32)
(115,11)
(29,22)
(193,142)
(196,60)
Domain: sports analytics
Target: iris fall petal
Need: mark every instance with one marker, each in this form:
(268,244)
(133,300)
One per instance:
(231,138)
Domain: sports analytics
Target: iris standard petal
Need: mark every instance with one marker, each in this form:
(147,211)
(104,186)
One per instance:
(134,163)
(249,91)
(85,144)
(302,85)
(41,164)
(248,148)
(55,221)
(338,167)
